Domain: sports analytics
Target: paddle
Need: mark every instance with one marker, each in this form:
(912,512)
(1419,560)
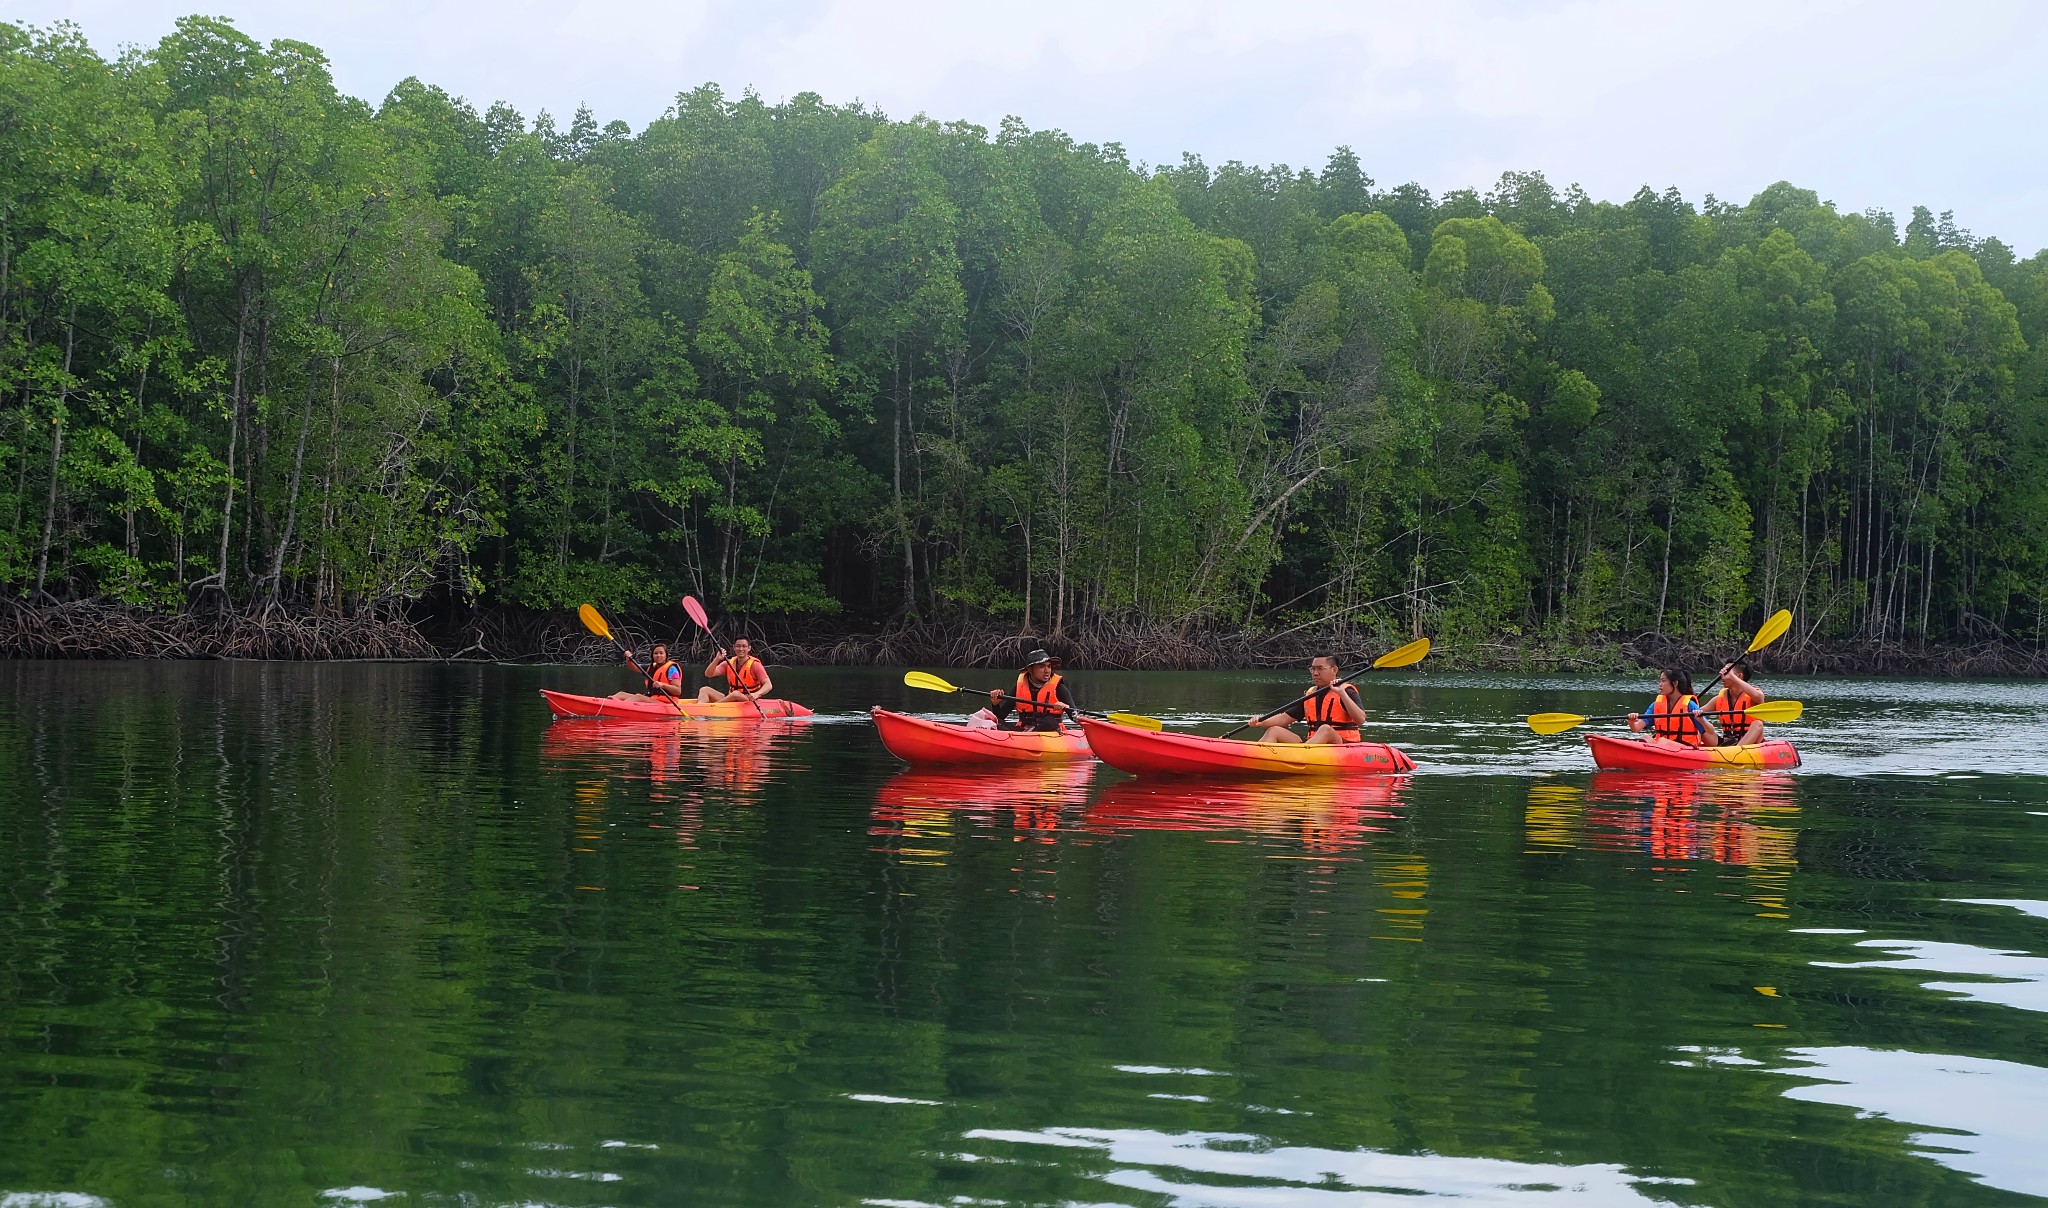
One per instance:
(932,683)
(1406,656)
(1777,712)
(1773,628)
(594,622)
(696,611)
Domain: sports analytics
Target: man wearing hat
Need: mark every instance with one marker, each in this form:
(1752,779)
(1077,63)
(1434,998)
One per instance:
(1040,699)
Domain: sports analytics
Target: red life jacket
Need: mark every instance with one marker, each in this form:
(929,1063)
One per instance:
(1324,708)
(1676,722)
(1034,702)
(744,675)
(1735,722)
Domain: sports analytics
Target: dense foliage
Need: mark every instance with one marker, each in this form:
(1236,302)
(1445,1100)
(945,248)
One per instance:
(263,345)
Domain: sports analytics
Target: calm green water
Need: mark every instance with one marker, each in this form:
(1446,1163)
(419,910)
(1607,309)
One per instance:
(333,934)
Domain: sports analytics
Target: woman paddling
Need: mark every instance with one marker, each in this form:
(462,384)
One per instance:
(666,678)
(1675,714)
(1333,715)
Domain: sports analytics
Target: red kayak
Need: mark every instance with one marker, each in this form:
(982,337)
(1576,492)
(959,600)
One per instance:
(915,740)
(642,708)
(1162,753)
(1664,755)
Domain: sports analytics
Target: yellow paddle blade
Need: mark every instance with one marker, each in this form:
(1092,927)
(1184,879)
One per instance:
(593,622)
(1778,711)
(1136,721)
(1554,723)
(1774,628)
(927,681)
(1407,655)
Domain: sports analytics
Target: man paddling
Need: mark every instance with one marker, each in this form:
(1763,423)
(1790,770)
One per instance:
(1040,699)
(745,677)
(1334,715)
(666,678)
(1731,705)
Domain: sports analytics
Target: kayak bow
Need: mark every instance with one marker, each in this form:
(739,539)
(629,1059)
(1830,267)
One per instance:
(569,704)
(1144,753)
(1664,755)
(916,740)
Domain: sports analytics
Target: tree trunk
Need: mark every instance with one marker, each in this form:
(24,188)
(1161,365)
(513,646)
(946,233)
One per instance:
(1670,516)
(291,507)
(227,511)
(56,452)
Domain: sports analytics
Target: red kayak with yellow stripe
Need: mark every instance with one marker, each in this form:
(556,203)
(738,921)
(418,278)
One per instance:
(1664,755)
(939,743)
(648,708)
(1164,753)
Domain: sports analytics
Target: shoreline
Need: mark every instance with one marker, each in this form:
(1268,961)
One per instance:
(91,630)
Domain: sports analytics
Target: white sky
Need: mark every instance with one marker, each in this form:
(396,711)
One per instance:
(1872,104)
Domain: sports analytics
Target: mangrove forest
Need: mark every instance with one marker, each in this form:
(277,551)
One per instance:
(269,349)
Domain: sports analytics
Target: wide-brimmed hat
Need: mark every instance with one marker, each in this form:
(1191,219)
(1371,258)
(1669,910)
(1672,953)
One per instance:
(1039,656)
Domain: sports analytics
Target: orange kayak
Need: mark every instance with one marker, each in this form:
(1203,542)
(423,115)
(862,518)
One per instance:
(916,740)
(1162,753)
(568,704)
(1664,755)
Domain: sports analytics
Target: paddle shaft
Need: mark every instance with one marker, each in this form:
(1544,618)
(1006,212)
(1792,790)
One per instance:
(1013,698)
(695,611)
(1754,646)
(645,674)
(1302,699)
(1626,716)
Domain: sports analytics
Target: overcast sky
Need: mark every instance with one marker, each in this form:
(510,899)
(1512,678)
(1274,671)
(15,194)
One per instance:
(1885,105)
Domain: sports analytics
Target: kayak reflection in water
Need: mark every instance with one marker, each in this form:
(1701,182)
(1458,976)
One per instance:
(1733,702)
(1040,700)
(666,678)
(1333,715)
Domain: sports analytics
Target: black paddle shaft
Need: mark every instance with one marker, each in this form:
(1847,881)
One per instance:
(1303,698)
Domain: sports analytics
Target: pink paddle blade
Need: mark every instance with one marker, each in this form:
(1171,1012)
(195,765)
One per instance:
(696,612)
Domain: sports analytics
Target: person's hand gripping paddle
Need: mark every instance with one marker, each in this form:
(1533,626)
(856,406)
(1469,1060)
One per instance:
(1775,712)
(932,683)
(594,622)
(696,613)
(1405,656)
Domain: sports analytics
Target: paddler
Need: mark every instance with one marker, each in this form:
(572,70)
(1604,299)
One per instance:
(1731,705)
(666,679)
(1675,714)
(745,677)
(1334,715)
(1040,698)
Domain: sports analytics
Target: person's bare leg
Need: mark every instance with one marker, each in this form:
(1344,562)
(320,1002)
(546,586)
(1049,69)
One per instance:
(708,695)
(1754,735)
(1323,737)
(1280,734)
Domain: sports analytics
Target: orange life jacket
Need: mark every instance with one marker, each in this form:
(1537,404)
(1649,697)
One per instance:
(662,674)
(1676,722)
(1324,708)
(744,675)
(1032,702)
(1735,722)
